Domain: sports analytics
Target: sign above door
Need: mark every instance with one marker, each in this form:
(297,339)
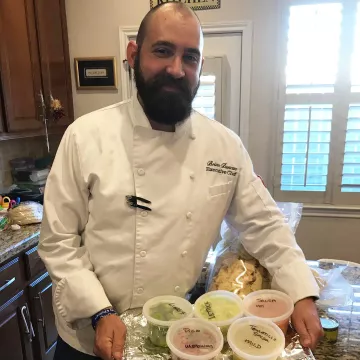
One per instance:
(194,4)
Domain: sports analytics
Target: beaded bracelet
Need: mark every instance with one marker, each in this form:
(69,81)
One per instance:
(105,312)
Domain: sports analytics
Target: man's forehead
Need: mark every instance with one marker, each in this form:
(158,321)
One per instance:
(176,28)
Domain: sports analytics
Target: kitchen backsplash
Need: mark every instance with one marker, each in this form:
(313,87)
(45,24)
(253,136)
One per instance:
(33,147)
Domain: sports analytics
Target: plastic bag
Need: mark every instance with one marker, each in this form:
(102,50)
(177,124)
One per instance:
(26,213)
(234,269)
(335,290)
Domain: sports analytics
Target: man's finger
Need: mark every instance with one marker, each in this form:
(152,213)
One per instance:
(305,338)
(118,345)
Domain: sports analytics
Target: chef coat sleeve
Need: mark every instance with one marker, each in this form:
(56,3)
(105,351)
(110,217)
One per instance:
(266,236)
(78,293)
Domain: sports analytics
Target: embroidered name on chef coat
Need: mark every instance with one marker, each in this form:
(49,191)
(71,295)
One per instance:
(223,169)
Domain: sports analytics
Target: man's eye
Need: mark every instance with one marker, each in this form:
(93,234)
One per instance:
(162,51)
(191,58)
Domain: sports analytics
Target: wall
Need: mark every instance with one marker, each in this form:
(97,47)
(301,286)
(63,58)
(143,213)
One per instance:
(93,27)
(11,149)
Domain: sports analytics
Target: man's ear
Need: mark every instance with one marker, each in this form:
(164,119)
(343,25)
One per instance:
(131,52)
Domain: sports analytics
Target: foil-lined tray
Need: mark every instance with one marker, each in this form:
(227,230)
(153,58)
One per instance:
(139,347)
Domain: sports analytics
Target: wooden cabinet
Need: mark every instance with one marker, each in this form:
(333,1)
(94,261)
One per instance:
(16,332)
(27,320)
(40,293)
(34,65)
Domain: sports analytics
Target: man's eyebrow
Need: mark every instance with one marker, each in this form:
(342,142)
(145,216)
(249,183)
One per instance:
(163,43)
(172,46)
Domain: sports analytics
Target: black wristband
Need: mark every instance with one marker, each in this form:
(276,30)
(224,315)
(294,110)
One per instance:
(105,312)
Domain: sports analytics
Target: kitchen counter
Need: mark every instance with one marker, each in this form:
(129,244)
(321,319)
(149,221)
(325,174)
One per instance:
(14,242)
(348,345)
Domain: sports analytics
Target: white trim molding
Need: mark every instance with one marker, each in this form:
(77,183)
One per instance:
(243,27)
(331,211)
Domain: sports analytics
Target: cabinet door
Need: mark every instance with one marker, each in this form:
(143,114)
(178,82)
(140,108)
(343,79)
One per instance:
(43,318)
(16,332)
(54,55)
(19,66)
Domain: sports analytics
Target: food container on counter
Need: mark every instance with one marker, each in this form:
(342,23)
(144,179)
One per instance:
(270,304)
(253,338)
(220,307)
(194,339)
(161,312)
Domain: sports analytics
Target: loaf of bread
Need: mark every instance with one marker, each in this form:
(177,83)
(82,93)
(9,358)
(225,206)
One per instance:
(241,277)
(26,213)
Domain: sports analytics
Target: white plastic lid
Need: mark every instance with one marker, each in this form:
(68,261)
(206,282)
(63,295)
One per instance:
(264,303)
(266,332)
(179,304)
(213,312)
(194,333)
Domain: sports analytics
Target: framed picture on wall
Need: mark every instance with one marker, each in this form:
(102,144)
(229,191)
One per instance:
(95,73)
(194,4)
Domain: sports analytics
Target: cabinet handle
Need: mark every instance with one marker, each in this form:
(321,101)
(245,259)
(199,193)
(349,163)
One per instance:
(7,283)
(42,320)
(28,330)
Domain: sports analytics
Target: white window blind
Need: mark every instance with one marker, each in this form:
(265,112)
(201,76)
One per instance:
(306,147)
(351,167)
(318,151)
(204,101)
(208,100)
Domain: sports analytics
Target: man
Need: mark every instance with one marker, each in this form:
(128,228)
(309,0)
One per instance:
(137,194)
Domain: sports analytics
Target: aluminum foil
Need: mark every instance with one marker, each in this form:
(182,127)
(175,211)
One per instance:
(139,347)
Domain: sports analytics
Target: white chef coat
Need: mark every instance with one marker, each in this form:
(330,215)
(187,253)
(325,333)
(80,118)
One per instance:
(101,252)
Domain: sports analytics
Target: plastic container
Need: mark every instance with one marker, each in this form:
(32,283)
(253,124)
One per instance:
(219,307)
(254,338)
(163,311)
(270,304)
(194,339)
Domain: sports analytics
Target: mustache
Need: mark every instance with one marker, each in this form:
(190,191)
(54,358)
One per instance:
(164,79)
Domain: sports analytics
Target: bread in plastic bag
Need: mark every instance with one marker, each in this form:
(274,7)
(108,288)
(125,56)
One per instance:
(234,269)
(26,213)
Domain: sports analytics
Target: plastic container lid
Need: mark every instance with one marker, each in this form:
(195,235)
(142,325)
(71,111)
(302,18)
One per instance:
(261,339)
(180,306)
(269,304)
(185,337)
(215,303)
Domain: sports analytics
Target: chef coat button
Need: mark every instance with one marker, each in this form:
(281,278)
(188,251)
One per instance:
(141,172)
(189,215)
(184,253)
(177,288)
(144,213)
(140,290)
(143,253)
(192,136)
(192,176)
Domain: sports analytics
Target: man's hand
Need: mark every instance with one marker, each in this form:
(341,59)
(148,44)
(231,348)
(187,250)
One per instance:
(110,337)
(307,323)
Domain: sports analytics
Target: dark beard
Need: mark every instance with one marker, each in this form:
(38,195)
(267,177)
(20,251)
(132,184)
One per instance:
(164,106)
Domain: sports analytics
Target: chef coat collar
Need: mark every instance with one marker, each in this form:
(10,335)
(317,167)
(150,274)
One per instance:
(140,119)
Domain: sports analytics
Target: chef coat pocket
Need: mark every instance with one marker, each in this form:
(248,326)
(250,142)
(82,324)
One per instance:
(219,190)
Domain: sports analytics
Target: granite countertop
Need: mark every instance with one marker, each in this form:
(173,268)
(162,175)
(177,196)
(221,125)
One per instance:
(347,346)
(13,242)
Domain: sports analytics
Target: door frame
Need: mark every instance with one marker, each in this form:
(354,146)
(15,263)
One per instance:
(216,28)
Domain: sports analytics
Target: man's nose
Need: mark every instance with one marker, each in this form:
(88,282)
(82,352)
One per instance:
(176,68)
